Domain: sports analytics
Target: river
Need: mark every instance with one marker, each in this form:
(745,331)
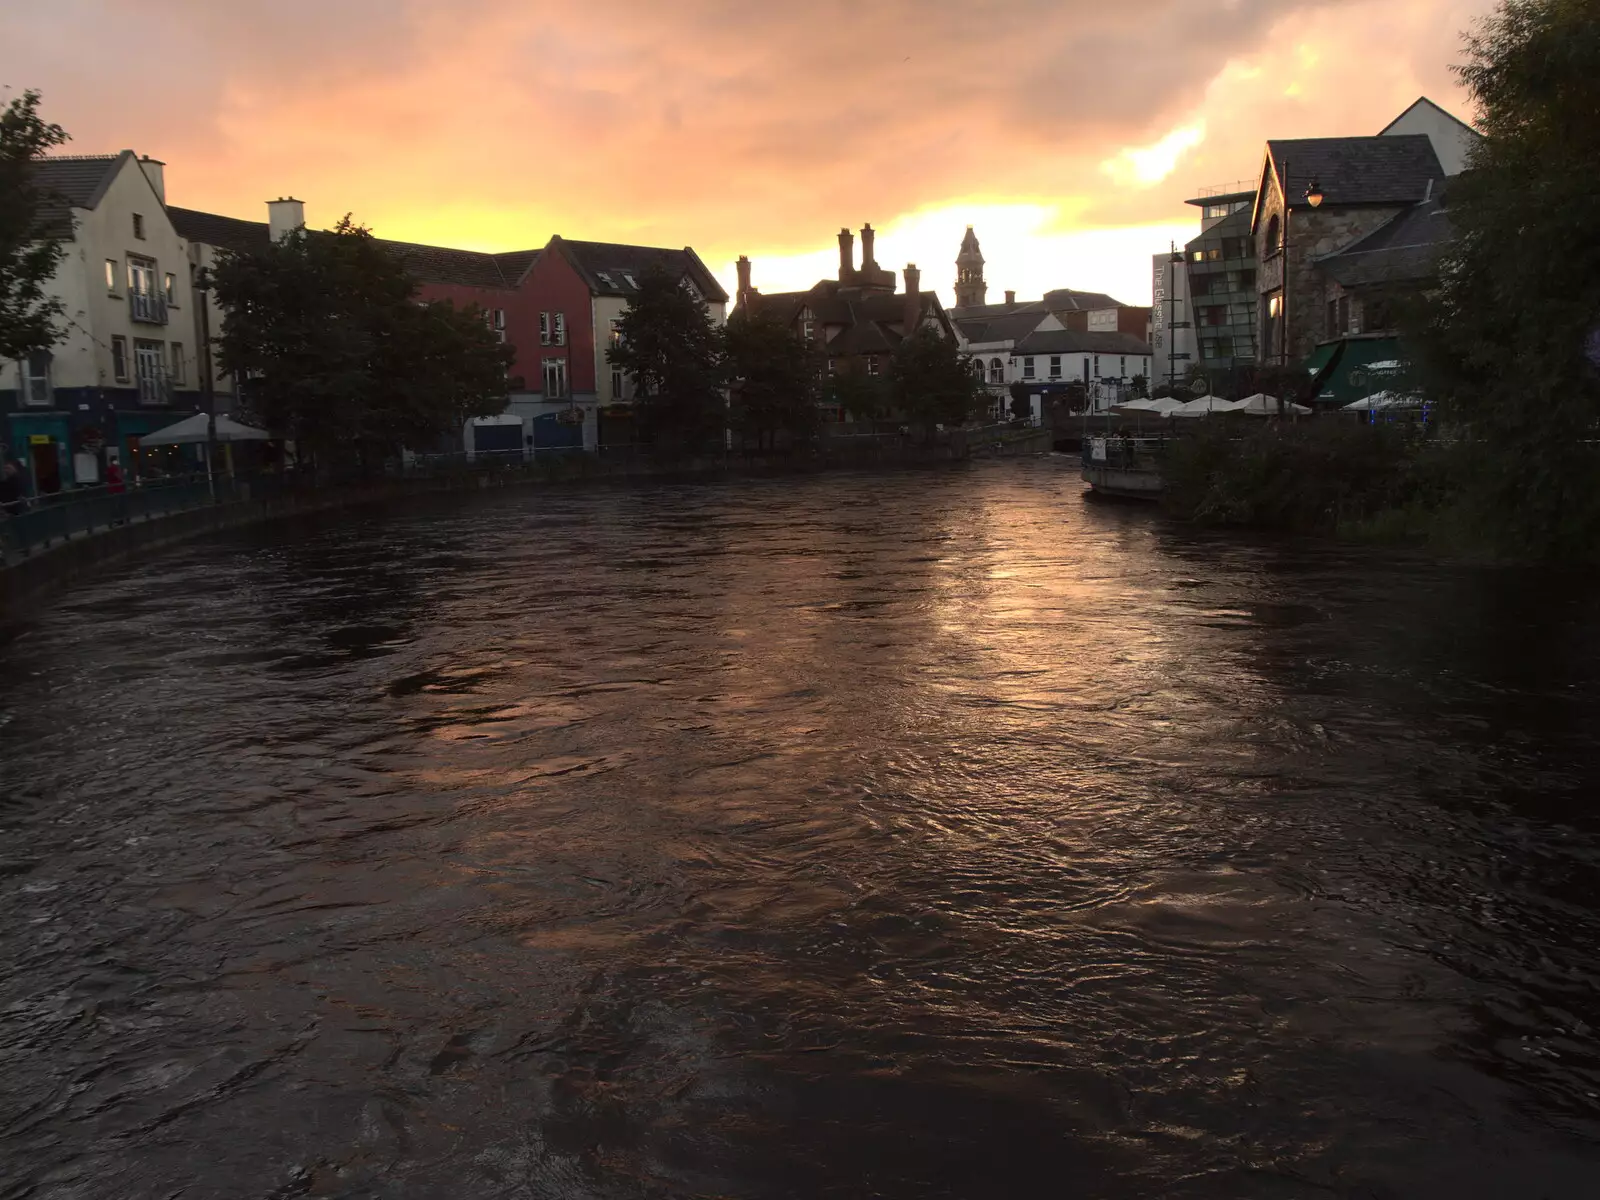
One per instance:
(933,834)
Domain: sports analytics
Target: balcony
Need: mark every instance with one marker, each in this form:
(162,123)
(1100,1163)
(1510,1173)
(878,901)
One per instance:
(155,388)
(147,308)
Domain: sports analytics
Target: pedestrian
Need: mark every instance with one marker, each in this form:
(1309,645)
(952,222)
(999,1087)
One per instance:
(114,483)
(11,489)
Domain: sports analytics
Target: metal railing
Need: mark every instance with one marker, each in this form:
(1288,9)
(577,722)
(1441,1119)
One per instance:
(149,308)
(40,522)
(155,388)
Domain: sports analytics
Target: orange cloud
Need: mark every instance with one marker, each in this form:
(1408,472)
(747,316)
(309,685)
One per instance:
(731,125)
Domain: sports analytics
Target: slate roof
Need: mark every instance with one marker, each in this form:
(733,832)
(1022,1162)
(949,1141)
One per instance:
(966,312)
(1077,341)
(427,264)
(226,233)
(1405,249)
(1003,327)
(70,181)
(1068,300)
(1357,170)
(868,319)
(608,266)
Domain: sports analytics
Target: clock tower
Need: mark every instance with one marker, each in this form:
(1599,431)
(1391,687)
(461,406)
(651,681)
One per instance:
(970,288)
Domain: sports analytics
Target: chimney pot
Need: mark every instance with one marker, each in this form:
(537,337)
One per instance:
(1011,297)
(847,255)
(867,234)
(913,301)
(744,280)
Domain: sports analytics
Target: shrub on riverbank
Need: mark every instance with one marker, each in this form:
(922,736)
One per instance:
(1324,475)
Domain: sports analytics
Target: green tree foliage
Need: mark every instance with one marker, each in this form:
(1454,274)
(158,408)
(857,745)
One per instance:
(1510,343)
(31,243)
(339,355)
(932,382)
(675,355)
(775,377)
(865,397)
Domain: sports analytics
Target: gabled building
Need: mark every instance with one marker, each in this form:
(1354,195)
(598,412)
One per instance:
(125,364)
(857,320)
(1318,196)
(465,277)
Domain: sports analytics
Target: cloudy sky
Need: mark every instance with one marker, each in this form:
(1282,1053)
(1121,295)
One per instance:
(1068,132)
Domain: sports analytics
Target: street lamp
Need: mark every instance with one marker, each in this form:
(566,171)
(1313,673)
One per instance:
(1314,194)
(1172,321)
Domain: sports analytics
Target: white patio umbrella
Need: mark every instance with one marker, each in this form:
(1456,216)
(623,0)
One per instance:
(1203,407)
(1140,405)
(1165,406)
(1263,405)
(1383,402)
(192,431)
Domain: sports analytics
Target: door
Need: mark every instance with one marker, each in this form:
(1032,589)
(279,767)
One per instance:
(551,433)
(46,465)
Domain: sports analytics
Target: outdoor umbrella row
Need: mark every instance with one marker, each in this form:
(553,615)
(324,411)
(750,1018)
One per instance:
(1259,405)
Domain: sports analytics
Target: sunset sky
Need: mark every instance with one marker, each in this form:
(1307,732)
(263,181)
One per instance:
(1068,132)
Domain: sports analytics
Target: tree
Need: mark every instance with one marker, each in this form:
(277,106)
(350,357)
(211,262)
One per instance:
(675,355)
(31,233)
(1509,344)
(932,382)
(775,378)
(336,352)
(865,397)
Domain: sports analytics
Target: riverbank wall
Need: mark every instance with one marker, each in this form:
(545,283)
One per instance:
(29,581)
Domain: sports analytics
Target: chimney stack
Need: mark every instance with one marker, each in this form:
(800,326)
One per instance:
(744,282)
(1011,297)
(847,255)
(866,247)
(913,311)
(156,173)
(284,216)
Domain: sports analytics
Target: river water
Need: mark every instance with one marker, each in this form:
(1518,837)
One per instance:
(937,834)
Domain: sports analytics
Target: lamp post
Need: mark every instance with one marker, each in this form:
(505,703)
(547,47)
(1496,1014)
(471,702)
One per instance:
(208,391)
(1313,197)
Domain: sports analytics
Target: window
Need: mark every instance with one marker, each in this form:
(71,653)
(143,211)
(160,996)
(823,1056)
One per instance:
(616,383)
(1197,256)
(169,288)
(606,280)
(1027,367)
(872,364)
(1233,248)
(1216,347)
(1246,280)
(1333,318)
(111,276)
(34,373)
(495,319)
(561,329)
(997,371)
(1344,315)
(1200,285)
(138,226)
(616,332)
(1272,326)
(177,363)
(1274,235)
(555,378)
(544,329)
(141,277)
(1055,366)
(119,357)
(1214,254)
(1123,368)
(1214,314)
(630,280)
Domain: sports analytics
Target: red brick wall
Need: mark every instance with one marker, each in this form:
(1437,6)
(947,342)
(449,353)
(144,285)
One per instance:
(553,286)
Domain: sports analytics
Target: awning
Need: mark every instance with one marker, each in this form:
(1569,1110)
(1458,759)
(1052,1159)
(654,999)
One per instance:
(1321,357)
(1359,367)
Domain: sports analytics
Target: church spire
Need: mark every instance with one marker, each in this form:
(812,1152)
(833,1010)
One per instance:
(970,288)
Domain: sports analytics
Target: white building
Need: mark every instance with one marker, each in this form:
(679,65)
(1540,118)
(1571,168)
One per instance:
(1452,138)
(125,365)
